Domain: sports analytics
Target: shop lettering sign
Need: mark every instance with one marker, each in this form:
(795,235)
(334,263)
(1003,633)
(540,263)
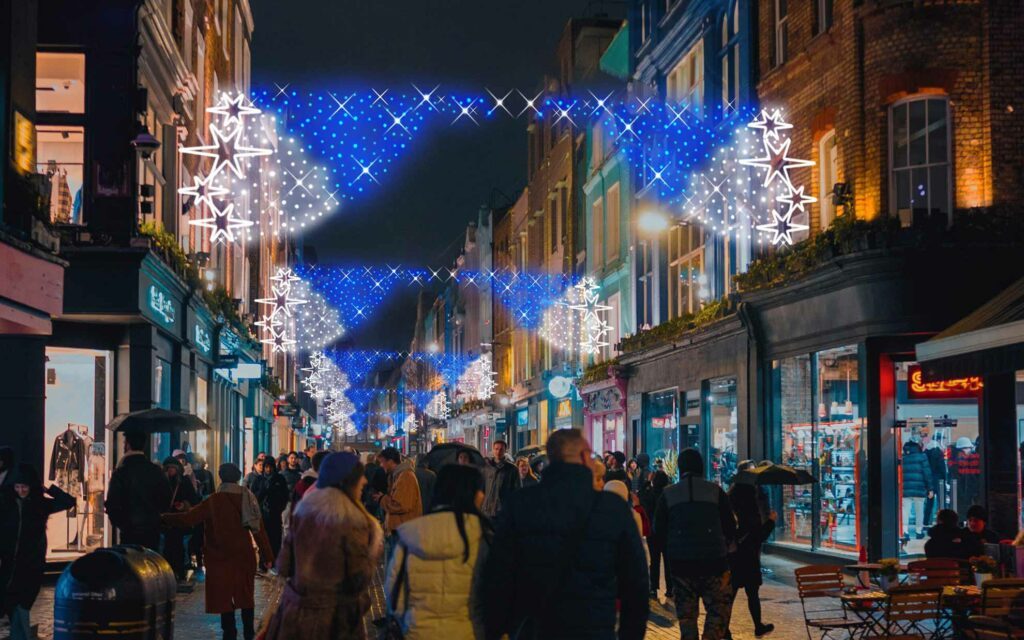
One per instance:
(918,389)
(24,148)
(203,339)
(161,304)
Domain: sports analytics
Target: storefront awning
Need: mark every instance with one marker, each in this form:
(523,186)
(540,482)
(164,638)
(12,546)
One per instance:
(989,340)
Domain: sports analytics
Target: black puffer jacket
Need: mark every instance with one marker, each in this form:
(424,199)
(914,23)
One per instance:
(522,578)
(917,472)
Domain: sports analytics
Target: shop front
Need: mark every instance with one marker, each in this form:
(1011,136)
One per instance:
(844,398)
(120,345)
(604,415)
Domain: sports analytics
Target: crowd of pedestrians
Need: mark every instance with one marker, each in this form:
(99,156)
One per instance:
(574,549)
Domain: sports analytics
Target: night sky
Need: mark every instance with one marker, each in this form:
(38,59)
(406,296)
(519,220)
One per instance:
(419,216)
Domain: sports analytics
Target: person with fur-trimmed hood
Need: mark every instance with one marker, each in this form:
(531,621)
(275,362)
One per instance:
(329,558)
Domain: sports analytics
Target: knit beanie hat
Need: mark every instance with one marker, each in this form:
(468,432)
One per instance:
(229,472)
(335,469)
(690,461)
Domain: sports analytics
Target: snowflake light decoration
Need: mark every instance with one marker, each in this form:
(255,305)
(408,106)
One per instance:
(478,382)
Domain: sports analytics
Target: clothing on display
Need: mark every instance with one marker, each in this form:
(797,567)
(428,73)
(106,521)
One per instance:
(61,202)
(68,460)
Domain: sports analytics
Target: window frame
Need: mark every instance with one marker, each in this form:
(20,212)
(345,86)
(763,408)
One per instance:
(825,16)
(826,210)
(781,30)
(597,216)
(69,121)
(612,226)
(928,164)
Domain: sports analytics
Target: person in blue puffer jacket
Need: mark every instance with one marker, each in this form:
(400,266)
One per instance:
(917,486)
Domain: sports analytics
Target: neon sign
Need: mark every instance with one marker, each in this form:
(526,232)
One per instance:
(161,304)
(918,389)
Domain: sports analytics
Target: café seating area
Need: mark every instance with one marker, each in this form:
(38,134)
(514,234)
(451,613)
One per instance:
(925,599)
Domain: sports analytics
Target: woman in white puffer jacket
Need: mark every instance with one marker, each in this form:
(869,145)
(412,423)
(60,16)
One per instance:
(444,553)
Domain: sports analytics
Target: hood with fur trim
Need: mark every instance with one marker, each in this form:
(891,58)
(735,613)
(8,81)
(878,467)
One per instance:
(330,507)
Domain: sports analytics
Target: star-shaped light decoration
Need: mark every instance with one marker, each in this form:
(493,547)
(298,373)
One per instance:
(593,328)
(233,108)
(227,150)
(284,277)
(204,191)
(223,222)
(279,340)
(777,161)
(796,198)
(782,227)
(770,123)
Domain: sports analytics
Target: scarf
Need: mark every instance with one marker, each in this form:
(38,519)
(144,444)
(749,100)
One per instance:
(251,516)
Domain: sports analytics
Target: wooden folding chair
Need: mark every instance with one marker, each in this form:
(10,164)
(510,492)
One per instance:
(819,587)
(1001,615)
(935,572)
(912,612)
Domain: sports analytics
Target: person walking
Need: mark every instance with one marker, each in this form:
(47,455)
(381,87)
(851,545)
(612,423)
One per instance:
(527,478)
(695,525)
(563,554)
(272,494)
(932,445)
(917,487)
(138,492)
(255,473)
(206,489)
(232,521)
(376,482)
(329,558)
(619,488)
(24,509)
(659,481)
(426,480)
(292,472)
(502,478)
(616,467)
(308,479)
(752,530)
(183,498)
(642,479)
(307,460)
(402,502)
(433,579)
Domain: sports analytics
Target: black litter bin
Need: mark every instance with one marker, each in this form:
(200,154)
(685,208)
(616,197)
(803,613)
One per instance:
(124,592)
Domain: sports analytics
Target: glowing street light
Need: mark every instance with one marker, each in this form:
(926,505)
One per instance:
(652,222)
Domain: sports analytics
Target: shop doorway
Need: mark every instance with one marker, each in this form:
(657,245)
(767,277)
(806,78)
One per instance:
(938,452)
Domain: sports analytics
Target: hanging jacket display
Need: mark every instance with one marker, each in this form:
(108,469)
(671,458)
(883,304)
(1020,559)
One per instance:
(68,461)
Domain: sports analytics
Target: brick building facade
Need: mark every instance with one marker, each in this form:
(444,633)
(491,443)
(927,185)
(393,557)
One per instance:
(845,71)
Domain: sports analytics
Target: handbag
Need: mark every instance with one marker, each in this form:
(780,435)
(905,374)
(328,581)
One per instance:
(569,555)
(390,626)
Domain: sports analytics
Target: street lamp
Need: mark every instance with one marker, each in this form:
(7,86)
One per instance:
(652,222)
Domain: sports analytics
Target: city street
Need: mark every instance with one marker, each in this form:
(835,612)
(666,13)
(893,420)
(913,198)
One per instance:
(542,301)
(781,606)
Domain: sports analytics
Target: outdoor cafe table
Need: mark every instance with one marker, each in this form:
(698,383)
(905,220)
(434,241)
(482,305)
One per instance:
(871,568)
(866,604)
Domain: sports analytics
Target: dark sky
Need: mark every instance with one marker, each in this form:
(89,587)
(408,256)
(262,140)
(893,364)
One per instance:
(417,219)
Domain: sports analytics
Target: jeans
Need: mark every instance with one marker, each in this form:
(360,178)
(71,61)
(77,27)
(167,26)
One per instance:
(716,593)
(20,627)
(918,506)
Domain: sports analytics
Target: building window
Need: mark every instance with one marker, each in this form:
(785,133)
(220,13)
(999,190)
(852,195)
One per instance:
(614,205)
(60,131)
(919,142)
(828,166)
(824,11)
(730,55)
(613,319)
(645,21)
(781,31)
(553,223)
(685,270)
(685,83)
(645,289)
(598,217)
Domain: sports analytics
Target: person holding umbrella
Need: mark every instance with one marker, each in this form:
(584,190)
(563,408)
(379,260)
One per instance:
(752,530)
(137,494)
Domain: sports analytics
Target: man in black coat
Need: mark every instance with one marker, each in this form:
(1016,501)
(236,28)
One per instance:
(137,494)
(695,525)
(502,478)
(562,554)
(426,479)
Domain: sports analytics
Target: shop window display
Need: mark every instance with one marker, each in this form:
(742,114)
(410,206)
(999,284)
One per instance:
(78,408)
(821,430)
(722,413)
(661,417)
(937,446)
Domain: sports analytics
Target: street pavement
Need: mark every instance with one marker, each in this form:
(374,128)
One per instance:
(778,596)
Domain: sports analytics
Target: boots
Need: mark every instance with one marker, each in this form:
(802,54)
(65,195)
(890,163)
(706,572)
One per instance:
(227,625)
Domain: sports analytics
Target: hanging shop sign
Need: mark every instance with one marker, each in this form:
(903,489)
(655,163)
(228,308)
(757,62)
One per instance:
(605,400)
(958,388)
(559,386)
(24,147)
(564,409)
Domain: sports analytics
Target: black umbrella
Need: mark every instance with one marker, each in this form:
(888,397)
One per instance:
(447,453)
(157,421)
(770,473)
(530,451)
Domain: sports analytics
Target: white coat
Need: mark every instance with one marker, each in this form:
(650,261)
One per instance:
(442,598)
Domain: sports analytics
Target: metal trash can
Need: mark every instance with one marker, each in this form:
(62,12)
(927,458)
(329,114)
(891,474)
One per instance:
(126,592)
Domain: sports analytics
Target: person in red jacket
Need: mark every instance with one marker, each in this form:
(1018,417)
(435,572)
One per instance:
(308,479)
